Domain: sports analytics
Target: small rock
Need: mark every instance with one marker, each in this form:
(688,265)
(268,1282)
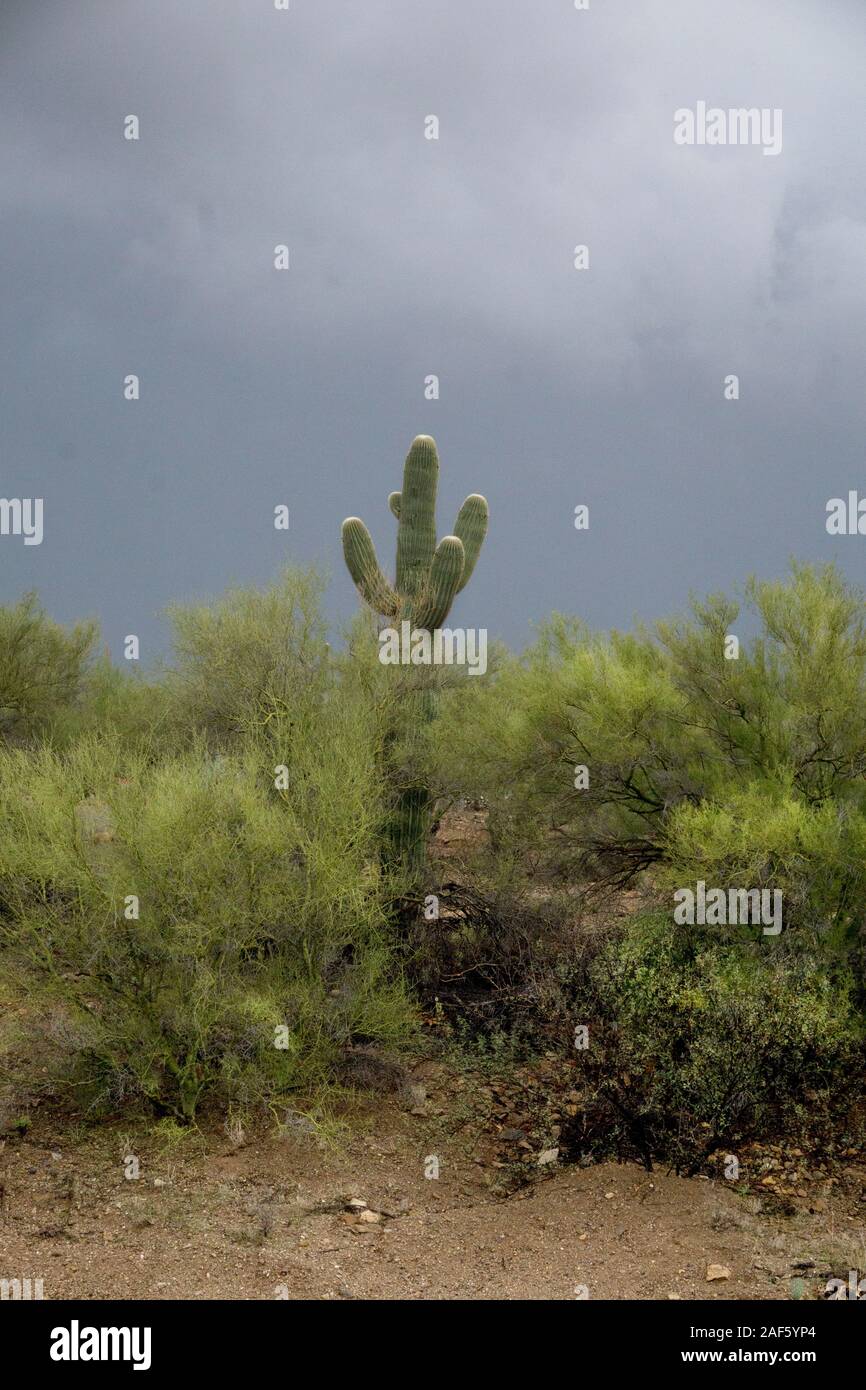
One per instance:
(401,1208)
(717,1272)
(548,1156)
(302,1124)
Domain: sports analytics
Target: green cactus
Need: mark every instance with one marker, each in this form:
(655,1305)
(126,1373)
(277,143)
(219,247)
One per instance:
(429,576)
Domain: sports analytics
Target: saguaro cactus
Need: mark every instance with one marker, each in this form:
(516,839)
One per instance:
(428,575)
(427,580)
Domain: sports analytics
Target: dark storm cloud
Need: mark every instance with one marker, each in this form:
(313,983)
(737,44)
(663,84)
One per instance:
(412,257)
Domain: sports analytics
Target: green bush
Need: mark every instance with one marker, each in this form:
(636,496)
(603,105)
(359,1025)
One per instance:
(241,799)
(697,1041)
(695,1046)
(679,743)
(42,668)
(137,709)
(249,658)
(258,909)
(744,773)
(763,836)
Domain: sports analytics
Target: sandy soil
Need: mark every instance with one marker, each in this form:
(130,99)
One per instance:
(268,1216)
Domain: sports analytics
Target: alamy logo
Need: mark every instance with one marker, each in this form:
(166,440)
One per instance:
(835,1290)
(22,1289)
(846,518)
(713,907)
(76,1343)
(22,516)
(741,125)
(444,646)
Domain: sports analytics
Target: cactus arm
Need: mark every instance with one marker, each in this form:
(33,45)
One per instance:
(471,528)
(394,503)
(445,572)
(364,568)
(416,534)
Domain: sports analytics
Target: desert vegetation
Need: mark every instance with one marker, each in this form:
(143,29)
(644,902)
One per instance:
(214,888)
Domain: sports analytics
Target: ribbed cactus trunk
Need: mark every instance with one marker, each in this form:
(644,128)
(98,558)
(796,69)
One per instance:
(428,578)
(409,821)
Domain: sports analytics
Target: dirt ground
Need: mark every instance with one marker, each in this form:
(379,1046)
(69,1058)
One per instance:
(347,1212)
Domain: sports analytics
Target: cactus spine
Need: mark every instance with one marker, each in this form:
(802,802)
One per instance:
(428,578)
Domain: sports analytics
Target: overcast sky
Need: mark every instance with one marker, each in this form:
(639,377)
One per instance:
(411,257)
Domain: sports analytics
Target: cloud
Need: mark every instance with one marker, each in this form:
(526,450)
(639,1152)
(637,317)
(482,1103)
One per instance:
(410,256)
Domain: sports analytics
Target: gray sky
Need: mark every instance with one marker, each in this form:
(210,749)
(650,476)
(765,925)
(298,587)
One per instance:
(411,256)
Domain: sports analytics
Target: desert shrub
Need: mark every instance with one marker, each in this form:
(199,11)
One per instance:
(249,657)
(765,836)
(491,962)
(137,710)
(698,1041)
(42,667)
(258,909)
(695,1045)
(664,725)
(574,700)
(745,773)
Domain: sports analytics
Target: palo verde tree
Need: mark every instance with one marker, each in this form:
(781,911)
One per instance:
(43,668)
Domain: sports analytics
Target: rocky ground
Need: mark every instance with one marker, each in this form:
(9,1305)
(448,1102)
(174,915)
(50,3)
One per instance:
(353,1208)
